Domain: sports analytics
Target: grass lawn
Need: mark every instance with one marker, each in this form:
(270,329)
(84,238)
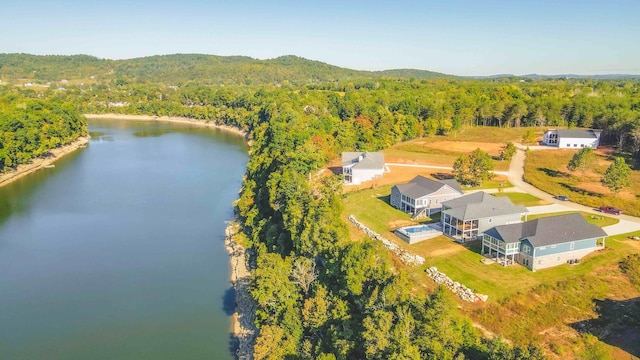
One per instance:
(487,134)
(460,262)
(547,170)
(524,199)
(599,220)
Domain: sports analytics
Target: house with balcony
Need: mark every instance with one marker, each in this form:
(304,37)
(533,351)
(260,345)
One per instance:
(358,167)
(423,196)
(467,217)
(572,138)
(543,242)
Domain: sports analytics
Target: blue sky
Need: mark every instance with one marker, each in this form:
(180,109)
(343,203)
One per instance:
(460,37)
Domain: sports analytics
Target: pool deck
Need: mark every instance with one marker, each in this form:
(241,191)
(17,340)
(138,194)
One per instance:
(416,237)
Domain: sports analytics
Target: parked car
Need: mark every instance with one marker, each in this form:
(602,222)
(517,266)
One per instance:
(562,197)
(610,210)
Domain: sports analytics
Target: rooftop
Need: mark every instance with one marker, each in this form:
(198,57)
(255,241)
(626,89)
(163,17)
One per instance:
(481,205)
(421,186)
(363,160)
(548,230)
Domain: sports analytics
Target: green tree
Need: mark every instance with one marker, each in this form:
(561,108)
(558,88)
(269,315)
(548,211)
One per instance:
(529,137)
(617,175)
(508,151)
(582,160)
(473,169)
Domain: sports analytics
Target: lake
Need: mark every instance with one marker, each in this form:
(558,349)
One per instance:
(118,252)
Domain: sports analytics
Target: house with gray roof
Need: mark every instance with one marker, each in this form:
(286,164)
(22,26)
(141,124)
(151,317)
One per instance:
(543,242)
(572,138)
(423,196)
(466,217)
(358,167)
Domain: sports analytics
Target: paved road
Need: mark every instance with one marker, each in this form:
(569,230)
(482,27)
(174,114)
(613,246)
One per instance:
(516,174)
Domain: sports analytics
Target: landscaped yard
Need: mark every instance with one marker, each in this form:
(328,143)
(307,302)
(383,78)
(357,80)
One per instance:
(523,306)
(460,262)
(524,199)
(599,220)
(547,170)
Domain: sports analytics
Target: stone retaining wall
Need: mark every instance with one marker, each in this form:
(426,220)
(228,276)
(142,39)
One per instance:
(405,256)
(460,290)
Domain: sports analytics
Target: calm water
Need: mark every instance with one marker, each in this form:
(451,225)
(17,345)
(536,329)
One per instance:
(118,252)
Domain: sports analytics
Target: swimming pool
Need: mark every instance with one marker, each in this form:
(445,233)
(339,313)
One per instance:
(417,233)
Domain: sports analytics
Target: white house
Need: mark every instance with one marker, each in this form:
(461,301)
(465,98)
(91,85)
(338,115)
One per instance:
(422,196)
(358,167)
(572,139)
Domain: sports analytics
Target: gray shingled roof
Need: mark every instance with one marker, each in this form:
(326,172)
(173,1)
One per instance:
(453,183)
(548,230)
(421,186)
(370,160)
(481,205)
(577,134)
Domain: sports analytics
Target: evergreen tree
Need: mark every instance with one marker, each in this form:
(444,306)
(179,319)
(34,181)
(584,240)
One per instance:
(617,175)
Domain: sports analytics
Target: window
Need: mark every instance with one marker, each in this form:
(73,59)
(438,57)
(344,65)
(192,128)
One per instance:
(526,249)
(575,145)
(572,245)
(490,220)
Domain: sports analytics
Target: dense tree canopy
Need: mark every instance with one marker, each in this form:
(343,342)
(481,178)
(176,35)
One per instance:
(31,127)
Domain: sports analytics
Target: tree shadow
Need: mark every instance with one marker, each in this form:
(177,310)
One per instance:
(443,176)
(581,191)
(617,324)
(229,301)
(554,173)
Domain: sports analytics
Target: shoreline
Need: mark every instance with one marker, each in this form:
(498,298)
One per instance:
(40,162)
(243,328)
(170,119)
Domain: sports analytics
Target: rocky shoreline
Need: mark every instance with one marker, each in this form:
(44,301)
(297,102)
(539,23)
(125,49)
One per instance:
(42,161)
(243,327)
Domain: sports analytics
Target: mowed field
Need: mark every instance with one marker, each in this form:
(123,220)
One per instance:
(547,170)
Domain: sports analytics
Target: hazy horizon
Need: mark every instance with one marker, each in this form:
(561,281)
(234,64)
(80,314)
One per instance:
(463,37)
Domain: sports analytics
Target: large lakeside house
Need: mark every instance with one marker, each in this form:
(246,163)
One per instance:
(358,167)
(466,217)
(543,242)
(422,196)
(572,139)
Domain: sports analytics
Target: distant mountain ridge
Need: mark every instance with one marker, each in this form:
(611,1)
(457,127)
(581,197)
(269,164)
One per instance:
(216,70)
(181,68)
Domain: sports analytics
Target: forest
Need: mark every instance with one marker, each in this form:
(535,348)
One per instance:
(318,294)
(30,127)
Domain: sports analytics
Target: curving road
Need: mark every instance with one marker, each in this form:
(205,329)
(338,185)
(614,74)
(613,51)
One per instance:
(516,177)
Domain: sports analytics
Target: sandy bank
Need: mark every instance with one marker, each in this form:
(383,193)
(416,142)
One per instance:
(42,161)
(172,119)
(242,321)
